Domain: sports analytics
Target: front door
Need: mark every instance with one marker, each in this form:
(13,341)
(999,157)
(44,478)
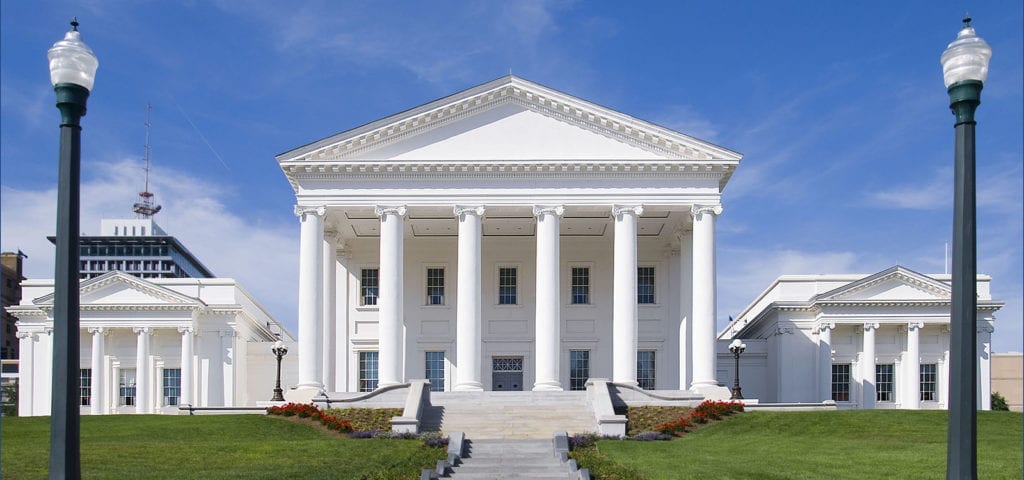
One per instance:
(507,373)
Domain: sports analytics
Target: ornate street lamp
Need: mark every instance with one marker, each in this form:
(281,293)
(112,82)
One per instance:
(280,351)
(72,71)
(964,69)
(737,348)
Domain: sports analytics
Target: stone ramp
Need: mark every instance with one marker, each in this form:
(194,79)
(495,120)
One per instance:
(509,415)
(510,459)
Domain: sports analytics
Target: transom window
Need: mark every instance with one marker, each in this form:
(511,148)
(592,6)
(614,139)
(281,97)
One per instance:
(883,382)
(435,286)
(507,364)
(645,285)
(579,369)
(507,286)
(645,377)
(841,382)
(126,387)
(369,285)
(85,386)
(172,386)
(367,371)
(580,285)
(928,371)
(435,371)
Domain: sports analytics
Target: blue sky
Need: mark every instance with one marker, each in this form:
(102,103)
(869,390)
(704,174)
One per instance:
(838,107)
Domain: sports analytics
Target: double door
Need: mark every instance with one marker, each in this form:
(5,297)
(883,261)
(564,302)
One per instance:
(507,373)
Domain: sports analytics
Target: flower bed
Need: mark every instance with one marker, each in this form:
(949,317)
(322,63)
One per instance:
(701,414)
(356,422)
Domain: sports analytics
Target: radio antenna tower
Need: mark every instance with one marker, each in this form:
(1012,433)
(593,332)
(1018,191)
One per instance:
(144,208)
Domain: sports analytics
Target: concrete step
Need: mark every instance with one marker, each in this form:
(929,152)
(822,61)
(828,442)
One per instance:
(510,459)
(509,415)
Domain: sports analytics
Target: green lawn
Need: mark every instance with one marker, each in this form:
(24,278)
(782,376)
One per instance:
(815,445)
(212,447)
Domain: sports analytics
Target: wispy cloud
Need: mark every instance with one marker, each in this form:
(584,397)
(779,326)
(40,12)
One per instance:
(260,255)
(686,119)
(935,193)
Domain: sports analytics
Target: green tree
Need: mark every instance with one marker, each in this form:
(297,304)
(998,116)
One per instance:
(999,402)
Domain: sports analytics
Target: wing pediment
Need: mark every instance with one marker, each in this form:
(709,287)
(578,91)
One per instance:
(117,288)
(896,283)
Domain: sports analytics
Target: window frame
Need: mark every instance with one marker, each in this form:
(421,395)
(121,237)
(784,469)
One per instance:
(429,296)
(642,381)
(887,394)
(84,387)
(573,285)
(363,287)
(653,295)
(842,380)
(126,393)
(437,383)
(576,381)
(924,380)
(363,381)
(514,286)
(172,387)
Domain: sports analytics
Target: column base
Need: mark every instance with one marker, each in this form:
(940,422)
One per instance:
(712,392)
(629,381)
(548,387)
(302,393)
(468,387)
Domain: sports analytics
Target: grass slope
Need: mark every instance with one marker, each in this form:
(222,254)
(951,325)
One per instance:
(854,444)
(212,447)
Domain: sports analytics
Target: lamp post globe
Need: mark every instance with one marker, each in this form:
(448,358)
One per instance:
(279,350)
(737,347)
(964,70)
(72,72)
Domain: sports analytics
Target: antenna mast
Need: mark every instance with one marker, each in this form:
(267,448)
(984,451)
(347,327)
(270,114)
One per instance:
(144,208)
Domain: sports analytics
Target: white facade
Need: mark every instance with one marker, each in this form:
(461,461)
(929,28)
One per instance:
(505,229)
(151,344)
(866,341)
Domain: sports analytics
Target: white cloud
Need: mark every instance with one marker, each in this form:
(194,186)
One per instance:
(686,119)
(935,193)
(261,256)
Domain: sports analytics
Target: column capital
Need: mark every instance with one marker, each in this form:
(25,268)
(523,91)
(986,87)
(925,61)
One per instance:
(98,330)
(31,335)
(228,333)
(381,210)
(918,325)
(333,237)
(696,210)
(826,326)
(318,210)
(633,209)
(986,329)
(143,330)
(539,210)
(186,329)
(871,326)
(459,210)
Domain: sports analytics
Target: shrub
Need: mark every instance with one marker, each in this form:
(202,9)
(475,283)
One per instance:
(999,402)
(307,410)
(367,418)
(649,436)
(434,440)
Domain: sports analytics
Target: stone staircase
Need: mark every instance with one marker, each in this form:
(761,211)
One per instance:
(509,415)
(510,459)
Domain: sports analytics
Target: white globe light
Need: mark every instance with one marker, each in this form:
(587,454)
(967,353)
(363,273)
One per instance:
(72,61)
(966,58)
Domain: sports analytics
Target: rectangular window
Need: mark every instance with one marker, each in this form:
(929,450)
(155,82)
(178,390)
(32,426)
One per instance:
(883,382)
(645,285)
(435,286)
(85,386)
(507,280)
(841,382)
(368,286)
(126,387)
(367,371)
(579,369)
(928,382)
(435,371)
(172,386)
(645,369)
(580,285)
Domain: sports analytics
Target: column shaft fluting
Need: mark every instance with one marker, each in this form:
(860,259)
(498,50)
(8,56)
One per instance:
(469,310)
(311,235)
(704,295)
(392,232)
(624,308)
(548,337)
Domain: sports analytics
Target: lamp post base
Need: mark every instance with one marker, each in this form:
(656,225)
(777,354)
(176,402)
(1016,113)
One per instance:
(737,393)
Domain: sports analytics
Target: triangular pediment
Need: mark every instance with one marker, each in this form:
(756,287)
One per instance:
(118,288)
(509,119)
(896,283)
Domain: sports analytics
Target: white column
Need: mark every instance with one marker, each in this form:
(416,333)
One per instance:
(98,351)
(327,345)
(943,385)
(158,387)
(311,237)
(26,372)
(685,309)
(912,367)
(392,238)
(868,367)
(342,298)
(825,360)
(548,339)
(468,310)
(624,310)
(704,295)
(142,377)
(115,387)
(984,339)
(186,366)
(229,359)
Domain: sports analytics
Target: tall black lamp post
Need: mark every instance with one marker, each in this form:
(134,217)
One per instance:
(279,350)
(72,71)
(964,69)
(737,348)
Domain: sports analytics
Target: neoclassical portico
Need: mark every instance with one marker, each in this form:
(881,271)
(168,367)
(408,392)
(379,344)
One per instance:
(508,237)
